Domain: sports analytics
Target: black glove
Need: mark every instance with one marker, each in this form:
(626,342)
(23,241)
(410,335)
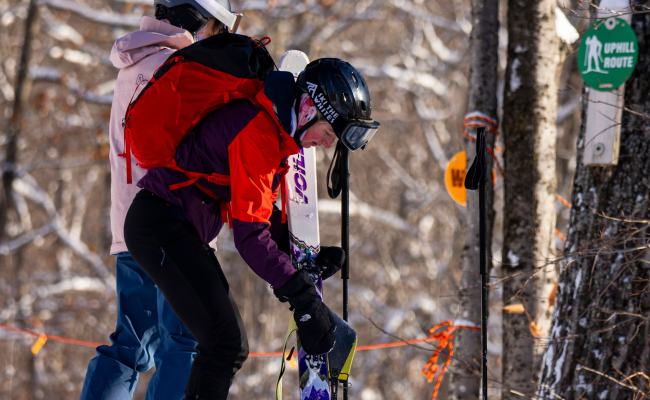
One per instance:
(315,325)
(330,260)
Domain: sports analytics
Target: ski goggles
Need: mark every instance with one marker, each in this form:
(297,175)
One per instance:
(357,133)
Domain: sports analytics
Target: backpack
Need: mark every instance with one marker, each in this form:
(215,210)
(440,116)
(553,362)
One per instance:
(191,84)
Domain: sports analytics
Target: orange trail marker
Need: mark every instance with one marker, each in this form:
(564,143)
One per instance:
(39,344)
(514,309)
(455,178)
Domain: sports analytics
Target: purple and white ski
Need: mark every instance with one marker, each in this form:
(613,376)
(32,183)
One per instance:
(301,203)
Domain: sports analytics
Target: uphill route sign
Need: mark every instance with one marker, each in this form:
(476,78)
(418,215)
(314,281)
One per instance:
(607,55)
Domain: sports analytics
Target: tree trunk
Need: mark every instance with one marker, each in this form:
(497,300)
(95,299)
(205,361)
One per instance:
(484,43)
(13,130)
(600,323)
(529,129)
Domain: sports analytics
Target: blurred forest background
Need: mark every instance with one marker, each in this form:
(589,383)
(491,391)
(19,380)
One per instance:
(56,274)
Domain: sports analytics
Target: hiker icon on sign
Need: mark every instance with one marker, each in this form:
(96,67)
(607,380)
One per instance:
(607,54)
(594,49)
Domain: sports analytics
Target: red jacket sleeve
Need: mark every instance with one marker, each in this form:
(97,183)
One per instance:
(254,159)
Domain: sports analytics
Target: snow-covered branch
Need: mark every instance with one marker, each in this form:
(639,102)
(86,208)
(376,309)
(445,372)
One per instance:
(438,46)
(27,186)
(402,76)
(429,114)
(5,87)
(77,283)
(81,202)
(421,13)
(434,144)
(361,209)
(101,16)
(15,244)
(52,74)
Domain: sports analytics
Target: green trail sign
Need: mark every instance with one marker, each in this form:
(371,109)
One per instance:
(607,54)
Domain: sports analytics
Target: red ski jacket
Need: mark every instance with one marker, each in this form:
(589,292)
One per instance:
(249,140)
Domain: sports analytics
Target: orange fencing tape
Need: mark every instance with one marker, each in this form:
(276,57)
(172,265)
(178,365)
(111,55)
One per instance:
(479,120)
(563,201)
(429,370)
(43,337)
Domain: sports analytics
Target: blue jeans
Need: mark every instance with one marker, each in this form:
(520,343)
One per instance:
(147,333)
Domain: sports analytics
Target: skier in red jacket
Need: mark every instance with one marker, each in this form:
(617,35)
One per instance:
(168,231)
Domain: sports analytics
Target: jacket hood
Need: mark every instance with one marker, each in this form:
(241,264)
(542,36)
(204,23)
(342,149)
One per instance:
(152,37)
(278,100)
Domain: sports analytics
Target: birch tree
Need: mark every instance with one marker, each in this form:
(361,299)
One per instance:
(535,57)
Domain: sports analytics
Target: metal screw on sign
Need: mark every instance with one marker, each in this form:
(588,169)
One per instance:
(599,149)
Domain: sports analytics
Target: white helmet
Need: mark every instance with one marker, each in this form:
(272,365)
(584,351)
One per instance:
(193,14)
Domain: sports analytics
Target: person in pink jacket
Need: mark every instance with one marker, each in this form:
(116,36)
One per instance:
(147,332)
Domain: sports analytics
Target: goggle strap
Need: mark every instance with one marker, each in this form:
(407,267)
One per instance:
(335,190)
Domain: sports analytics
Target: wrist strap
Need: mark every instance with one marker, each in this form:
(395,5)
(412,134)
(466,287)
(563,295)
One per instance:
(335,190)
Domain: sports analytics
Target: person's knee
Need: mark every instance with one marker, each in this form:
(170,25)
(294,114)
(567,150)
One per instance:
(237,353)
(243,356)
(243,348)
(226,355)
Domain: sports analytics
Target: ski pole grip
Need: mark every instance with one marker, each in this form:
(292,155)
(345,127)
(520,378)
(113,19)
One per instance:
(476,171)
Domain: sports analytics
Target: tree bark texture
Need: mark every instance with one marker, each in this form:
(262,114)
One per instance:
(600,322)
(535,59)
(13,129)
(484,42)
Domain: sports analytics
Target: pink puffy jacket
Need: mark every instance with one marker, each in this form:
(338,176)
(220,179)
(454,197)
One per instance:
(138,55)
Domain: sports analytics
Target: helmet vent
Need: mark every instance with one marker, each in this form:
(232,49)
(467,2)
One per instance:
(354,78)
(345,98)
(338,77)
(362,104)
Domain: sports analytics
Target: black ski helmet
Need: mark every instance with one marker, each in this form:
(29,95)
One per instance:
(342,97)
(193,14)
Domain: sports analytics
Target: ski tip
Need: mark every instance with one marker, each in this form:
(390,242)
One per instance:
(293,61)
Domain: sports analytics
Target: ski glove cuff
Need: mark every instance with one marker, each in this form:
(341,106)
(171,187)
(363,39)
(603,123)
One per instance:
(330,260)
(299,288)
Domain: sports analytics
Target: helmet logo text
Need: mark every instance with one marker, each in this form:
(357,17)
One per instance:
(325,108)
(311,88)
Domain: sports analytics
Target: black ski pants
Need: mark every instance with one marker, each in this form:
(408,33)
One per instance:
(189,276)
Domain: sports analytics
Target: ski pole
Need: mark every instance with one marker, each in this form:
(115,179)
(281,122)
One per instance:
(345,232)
(476,178)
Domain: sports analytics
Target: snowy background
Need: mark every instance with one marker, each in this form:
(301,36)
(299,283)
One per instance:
(56,275)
